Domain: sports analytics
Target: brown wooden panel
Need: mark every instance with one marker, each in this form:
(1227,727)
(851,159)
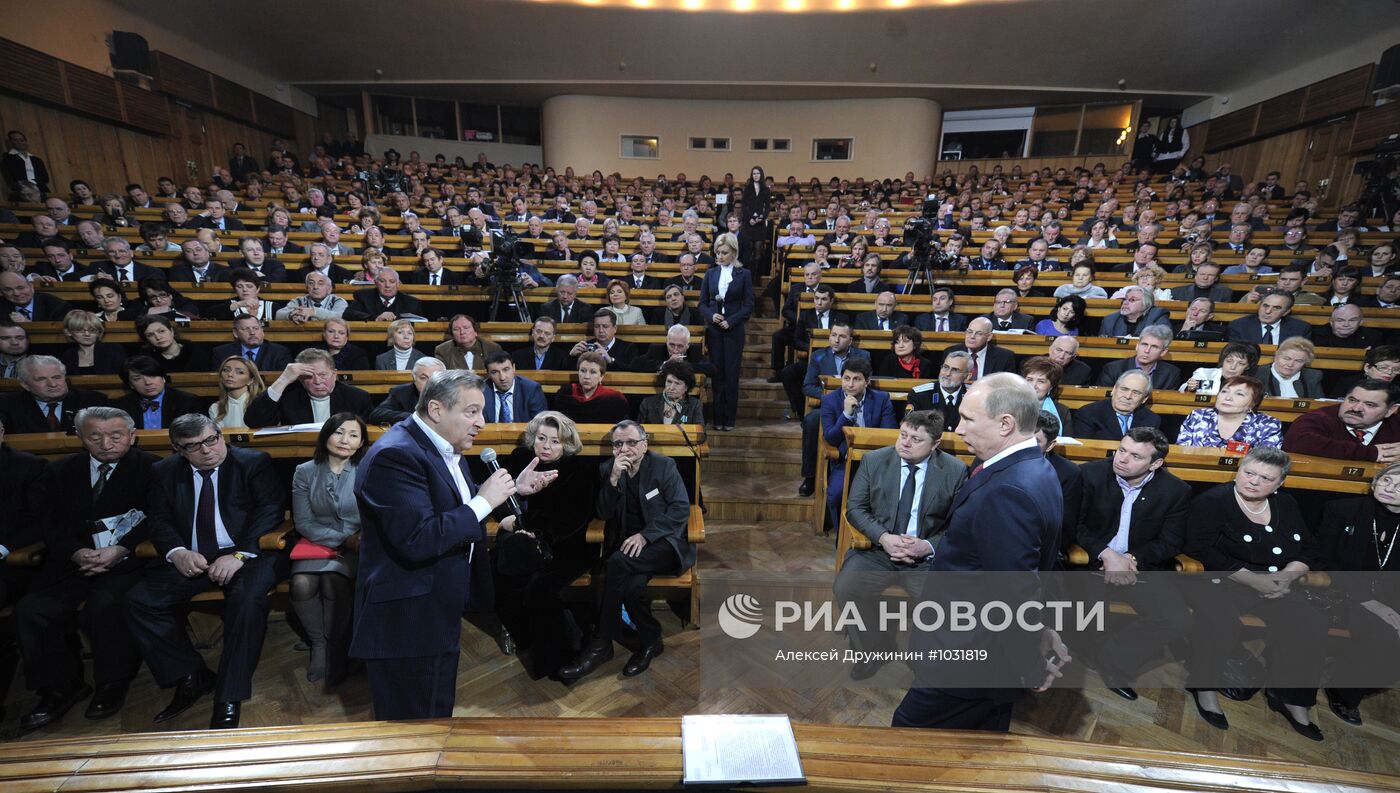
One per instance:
(1281,112)
(1375,124)
(145,109)
(233,99)
(92,92)
(274,116)
(1232,128)
(30,72)
(181,79)
(1340,94)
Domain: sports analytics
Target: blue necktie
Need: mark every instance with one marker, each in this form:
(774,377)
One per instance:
(505,406)
(1124,422)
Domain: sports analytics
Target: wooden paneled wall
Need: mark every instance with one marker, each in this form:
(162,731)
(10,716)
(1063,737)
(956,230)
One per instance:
(1284,153)
(1110,161)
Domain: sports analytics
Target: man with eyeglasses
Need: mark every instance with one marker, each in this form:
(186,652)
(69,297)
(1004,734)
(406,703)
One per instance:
(645,503)
(1005,314)
(19,303)
(944,396)
(209,504)
(1126,407)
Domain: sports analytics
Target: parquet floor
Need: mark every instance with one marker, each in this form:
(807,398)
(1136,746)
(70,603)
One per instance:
(490,684)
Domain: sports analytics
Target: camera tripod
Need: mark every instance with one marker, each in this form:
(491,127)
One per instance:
(517,299)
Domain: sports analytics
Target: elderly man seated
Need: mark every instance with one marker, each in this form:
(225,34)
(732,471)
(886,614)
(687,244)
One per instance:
(1137,311)
(1110,419)
(403,398)
(1152,345)
(45,402)
(307,391)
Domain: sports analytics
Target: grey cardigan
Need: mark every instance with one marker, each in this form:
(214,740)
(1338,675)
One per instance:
(325,512)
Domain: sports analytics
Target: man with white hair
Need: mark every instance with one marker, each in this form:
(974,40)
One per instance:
(45,402)
(403,399)
(1064,351)
(317,304)
(1152,345)
(679,346)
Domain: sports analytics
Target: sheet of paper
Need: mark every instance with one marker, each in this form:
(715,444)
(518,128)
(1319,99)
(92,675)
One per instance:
(737,749)
(310,426)
(1065,440)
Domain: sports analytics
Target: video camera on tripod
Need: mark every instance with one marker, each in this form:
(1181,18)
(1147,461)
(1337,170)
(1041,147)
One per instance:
(927,255)
(501,270)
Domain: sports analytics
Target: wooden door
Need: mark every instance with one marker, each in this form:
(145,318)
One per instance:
(1327,145)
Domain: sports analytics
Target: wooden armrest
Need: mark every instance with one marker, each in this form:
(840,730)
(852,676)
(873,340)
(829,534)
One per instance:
(28,556)
(1078,557)
(694,531)
(860,542)
(146,550)
(276,540)
(596,529)
(1185,564)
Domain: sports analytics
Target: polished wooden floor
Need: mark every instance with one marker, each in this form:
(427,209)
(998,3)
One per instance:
(491,684)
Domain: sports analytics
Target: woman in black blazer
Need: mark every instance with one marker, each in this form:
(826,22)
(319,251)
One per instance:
(88,354)
(753,227)
(111,303)
(1356,540)
(726,302)
(906,359)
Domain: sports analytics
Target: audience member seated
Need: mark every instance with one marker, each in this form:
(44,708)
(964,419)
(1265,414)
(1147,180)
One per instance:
(317,304)
(637,277)
(1382,363)
(150,400)
(384,303)
(946,393)
(1064,351)
(60,265)
(1236,358)
(321,260)
(899,499)
(658,546)
(1199,323)
(307,391)
(111,303)
(1044,376)
(1362,427)
(1126,407)
(1081,283)
(984,356)
(675,311)
(88,354)
(529,597)
(688,280)
(1346,289)
(1136,312)
(1064,321)
(1288,376)
(209,504)
(588,401)
(1133,520)
(828,362)
(247,298)
(44,403)
(239,384)
(371,263)
(86,575)
(855,404)
(619,293)
(541,354)
(195,265)
(20,303)
(1235,419)
(14,347)
(324,559)
(26,512)
(1150,279)
(402,399)
(401,355)
(566,307)
(617,353)
(1005,315)
(510,398)
(256,258)
(588,275)
(870,282)
(161,340)
(1153,343)
(906,356)
(467,349)
(432,270)
(1272,325)
(1344,329)
(673,403)
(250,342)
(1258,539)
(884,317)
(941,318)
(785,338)
(335,339)
(119,265)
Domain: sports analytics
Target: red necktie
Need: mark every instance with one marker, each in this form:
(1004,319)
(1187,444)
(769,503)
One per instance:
(977,469)
(54,424)
(972,367)
(1360,436)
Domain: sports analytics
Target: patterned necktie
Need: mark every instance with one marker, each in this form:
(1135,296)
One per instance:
(150,404)
(26,312)
(505,406)
(906,499)
(1360,436)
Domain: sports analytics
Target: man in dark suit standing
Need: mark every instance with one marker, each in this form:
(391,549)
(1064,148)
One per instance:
(383,303)
(1110,419)
(422,517)
(646,506)
(209,504)
(566,307)
(1133,520)
(150,400)
(541,354)
(899,500)
(44,402)
(250,342)
(88,571)
(884,317)
(510,397)
(944,395)
(1006,518)
(402,399)
(307,391)
(19,303)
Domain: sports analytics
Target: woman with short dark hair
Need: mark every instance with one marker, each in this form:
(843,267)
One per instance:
(673,403)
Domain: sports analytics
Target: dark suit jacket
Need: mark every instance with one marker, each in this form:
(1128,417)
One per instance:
(1164,375)
(107,358)
(174,404)
(423,559)
(447,277)
(273,270)
(1322,433)
(272,357)
(822,363)
(250,501)
(1308,386)
(876,408)
(1249,329)
(400,403)
(366,305)
(72,509)
(998,360)
(555,359)
(1019,321)
(1362,339)
(527,400)
(47,308)
(21,414)
(875,489)
(1072,487)
(578,312)
(1096,421)
(350,358)
(737,304)
(665,516)
(1115,325)
(927,323)
(139,269)
(15,172)
(338,274)
(79,272)
(678,280)
(182,272)
(1077,373)
(1157,528)
(295,405)
(929,396)
(648,282)
(28,484)
(868,321)
(807,324)
(290,247)
(858,287)
(1219,293)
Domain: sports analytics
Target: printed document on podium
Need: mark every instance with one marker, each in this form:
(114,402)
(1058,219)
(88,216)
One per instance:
(736,749)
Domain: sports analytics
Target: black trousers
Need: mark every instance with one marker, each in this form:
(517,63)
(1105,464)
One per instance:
(782,341)
(727,352)
(938,709)
(1295,639)
(48,620)
(531,607)
(156,610)
(792,376)
(424,687)
(862,580)
(1369,656)
(625,584)
(13,583)
(811,434)
(1162,618)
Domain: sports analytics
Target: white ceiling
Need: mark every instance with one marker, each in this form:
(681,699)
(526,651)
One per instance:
(973,54)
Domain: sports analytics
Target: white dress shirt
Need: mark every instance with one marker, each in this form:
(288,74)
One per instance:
(479,506)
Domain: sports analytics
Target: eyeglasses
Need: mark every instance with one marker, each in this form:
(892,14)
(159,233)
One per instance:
(630,443)
(194,446)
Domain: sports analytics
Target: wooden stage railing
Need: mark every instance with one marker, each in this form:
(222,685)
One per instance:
(626,753)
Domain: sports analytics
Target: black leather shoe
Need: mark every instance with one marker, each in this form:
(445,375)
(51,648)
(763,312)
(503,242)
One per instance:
(864,670)
(1310,731)
(506,642)
(1238,694)
(808,487)
(638,662)
(1216,720)
(1347,713)
(225,715)
(774,379)
(108,700)
(592,657)
(187,692)
(1124,692)
(52,707)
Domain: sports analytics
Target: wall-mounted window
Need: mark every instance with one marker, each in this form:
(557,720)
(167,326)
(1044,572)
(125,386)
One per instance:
(393,115)
(709,144)
(770,144)
(479,122)
(831,148)
(436,118)
(641,146)
(988,143)
(520,125)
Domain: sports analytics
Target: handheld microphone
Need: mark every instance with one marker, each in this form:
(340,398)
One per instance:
(488,456)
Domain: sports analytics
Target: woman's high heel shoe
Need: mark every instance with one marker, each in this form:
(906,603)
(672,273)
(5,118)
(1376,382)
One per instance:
(1309,731)
(1216,720)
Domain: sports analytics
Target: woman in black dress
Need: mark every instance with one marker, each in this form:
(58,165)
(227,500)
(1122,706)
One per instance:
(529,604)
(753,227)
(1258,541)
(162,341)
(1357,540)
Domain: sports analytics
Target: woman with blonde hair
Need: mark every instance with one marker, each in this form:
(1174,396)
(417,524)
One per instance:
(401,355)
(619,295)
(239,384)
(89,354)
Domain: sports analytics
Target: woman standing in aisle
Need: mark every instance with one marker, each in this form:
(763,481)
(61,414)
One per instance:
(726,301)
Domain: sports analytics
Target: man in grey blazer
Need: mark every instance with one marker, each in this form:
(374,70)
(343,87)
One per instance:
(899,499)
(1137,311)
